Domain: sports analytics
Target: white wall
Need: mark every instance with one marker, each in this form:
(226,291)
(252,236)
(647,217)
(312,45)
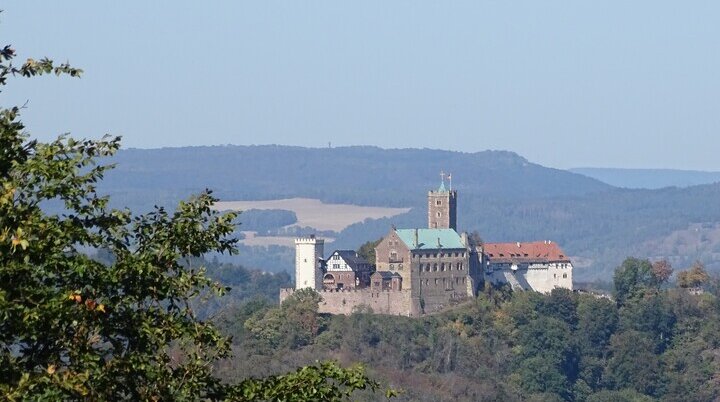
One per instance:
(538,277)
(308,271)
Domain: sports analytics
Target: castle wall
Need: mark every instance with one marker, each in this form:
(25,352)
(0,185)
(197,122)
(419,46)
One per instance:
(392,302)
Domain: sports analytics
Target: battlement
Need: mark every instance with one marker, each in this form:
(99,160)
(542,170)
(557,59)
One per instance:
(309,240)
(451,193)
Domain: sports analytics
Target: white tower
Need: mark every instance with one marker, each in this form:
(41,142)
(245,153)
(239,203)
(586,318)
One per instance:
(308,262)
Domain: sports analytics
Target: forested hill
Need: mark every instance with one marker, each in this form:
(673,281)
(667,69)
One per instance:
(650,178)
(502,195)
(357,175)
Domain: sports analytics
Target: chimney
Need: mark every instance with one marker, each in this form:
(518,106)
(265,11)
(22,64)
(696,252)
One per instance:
(439,245)
(417,242)
(518,244)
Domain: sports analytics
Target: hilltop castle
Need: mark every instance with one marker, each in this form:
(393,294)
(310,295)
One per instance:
(421,270)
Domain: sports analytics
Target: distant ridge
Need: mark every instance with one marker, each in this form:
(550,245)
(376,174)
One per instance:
(501,195)
(649,178)
(361,175)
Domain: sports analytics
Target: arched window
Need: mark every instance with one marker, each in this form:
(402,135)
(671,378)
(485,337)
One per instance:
(442,267)
(435,267)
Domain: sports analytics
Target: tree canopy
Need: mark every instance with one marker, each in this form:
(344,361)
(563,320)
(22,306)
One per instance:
(74,327)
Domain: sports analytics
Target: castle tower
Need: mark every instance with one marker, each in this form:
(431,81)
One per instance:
(442,206)
(308,262)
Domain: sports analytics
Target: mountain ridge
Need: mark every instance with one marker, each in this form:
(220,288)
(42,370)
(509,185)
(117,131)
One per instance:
(501,195)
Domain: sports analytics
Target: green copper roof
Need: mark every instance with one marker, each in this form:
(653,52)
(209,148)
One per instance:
(428,238)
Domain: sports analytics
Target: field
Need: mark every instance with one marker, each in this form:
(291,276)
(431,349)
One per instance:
(316,214)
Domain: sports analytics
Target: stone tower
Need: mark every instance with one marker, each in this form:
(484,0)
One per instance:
(309,262)
(442,208)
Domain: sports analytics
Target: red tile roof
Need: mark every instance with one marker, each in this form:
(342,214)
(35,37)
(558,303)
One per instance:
(541,251)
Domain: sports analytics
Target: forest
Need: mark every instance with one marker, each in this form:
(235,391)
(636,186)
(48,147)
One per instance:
(653,341)
(502,195)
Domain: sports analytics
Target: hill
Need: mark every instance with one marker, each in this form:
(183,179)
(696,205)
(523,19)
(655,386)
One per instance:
(649,178)
(502,196)
(356,175)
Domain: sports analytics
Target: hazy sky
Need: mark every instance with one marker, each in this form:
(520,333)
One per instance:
(563,83)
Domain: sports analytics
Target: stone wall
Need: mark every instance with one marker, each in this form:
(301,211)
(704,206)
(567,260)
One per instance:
(393,302)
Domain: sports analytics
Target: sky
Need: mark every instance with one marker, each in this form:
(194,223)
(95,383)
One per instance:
(632,84)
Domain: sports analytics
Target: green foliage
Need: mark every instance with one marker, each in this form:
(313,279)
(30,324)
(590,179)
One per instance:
(294,324)
(632,278)
(522,346)
(694,277)
(119,327)
(322,382)
(367,250)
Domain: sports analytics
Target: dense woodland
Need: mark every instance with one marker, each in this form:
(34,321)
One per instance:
(652,342)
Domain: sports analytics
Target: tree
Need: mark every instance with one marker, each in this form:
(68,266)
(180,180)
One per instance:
(662,270)
(73,327)
(367,250)
(694,277)
(631,277)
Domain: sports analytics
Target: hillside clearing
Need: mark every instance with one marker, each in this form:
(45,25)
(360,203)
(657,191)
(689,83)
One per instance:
(316,214)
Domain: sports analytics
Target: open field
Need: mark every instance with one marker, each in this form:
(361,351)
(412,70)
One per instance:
(252,239)
(315,214)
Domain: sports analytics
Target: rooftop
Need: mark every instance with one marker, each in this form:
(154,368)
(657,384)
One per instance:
(539,251)
(351,257)
(430,239)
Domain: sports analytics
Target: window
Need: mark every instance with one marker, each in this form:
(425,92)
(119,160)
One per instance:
(435,267)
(442,267)
(438,214)
(400,267)
(438,202)
(436,281)
(564,275)
(457,281)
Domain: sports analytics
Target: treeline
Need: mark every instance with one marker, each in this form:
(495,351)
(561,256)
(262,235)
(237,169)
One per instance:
(650,343)
(266,220)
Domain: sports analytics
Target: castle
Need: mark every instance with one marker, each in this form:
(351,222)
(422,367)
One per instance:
(422,270)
